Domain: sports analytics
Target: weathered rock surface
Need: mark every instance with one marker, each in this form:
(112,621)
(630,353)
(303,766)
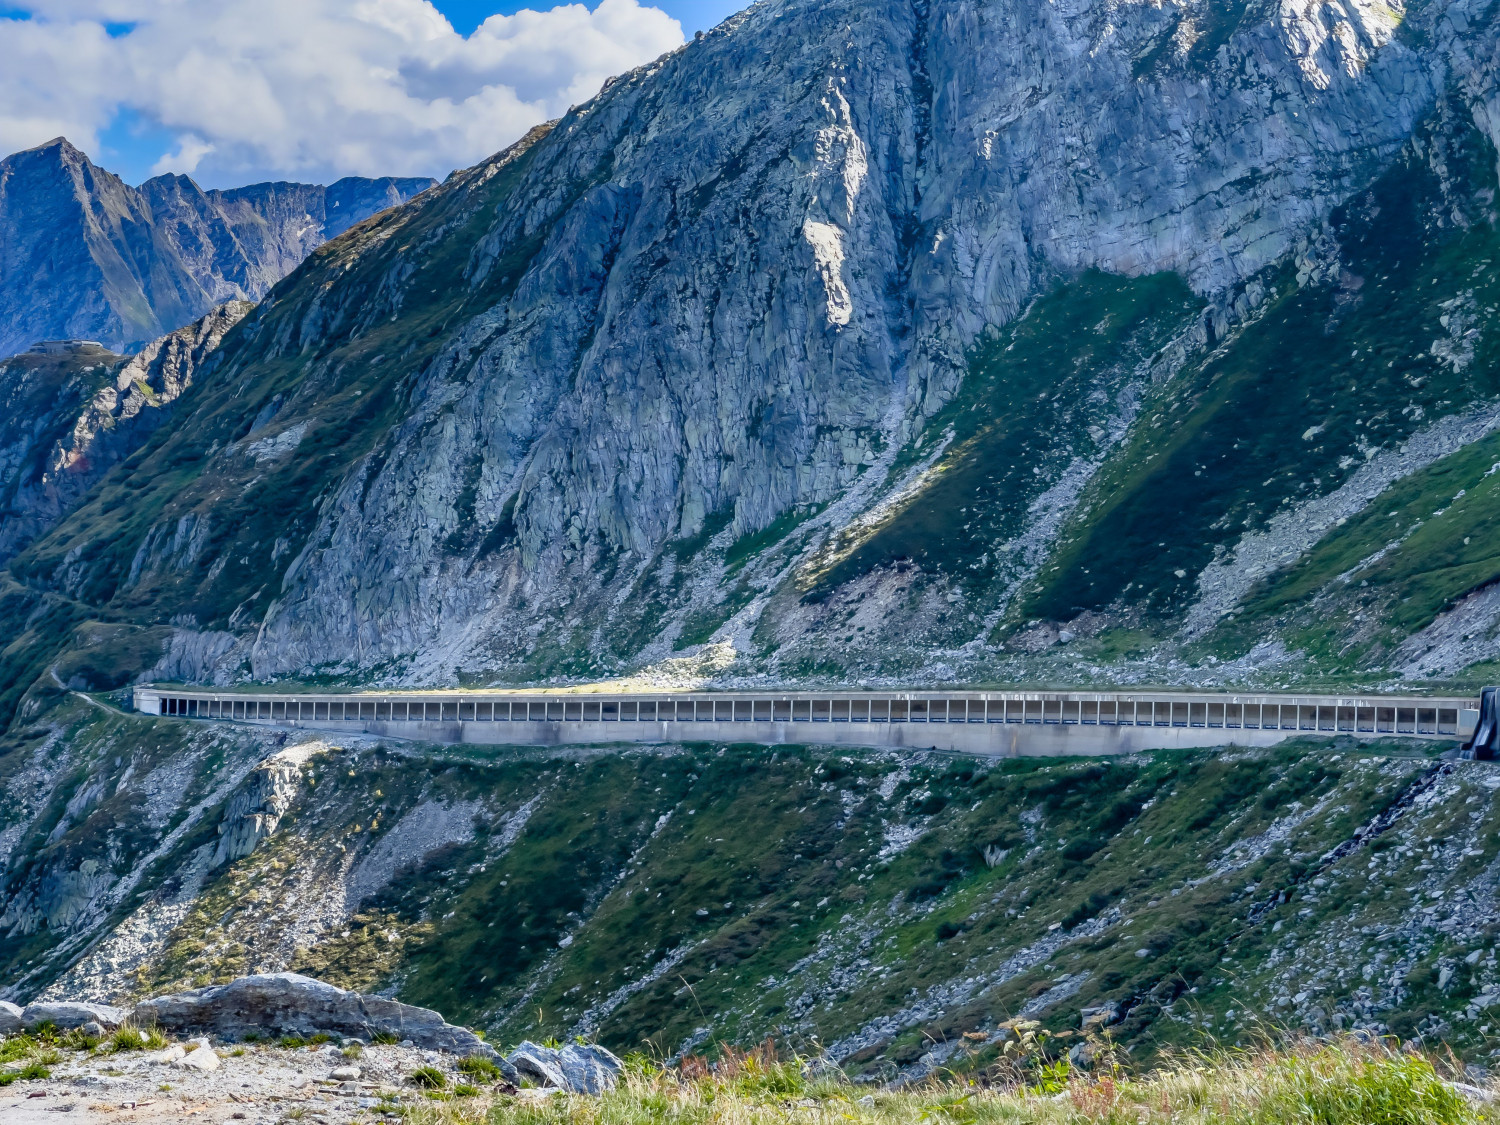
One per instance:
(66,434)
(10,1018)
(201,1058)
(292,1004)
(728,292)
(577,1068)
(73,1014)
(257,807)
(42,395)
(89,256)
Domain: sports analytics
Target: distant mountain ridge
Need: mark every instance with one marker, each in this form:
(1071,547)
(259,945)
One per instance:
(83,254)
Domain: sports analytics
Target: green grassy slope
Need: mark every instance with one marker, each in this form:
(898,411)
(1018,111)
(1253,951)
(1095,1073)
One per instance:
(1041,394)
(1389,571)
(879,904)
(1289,408)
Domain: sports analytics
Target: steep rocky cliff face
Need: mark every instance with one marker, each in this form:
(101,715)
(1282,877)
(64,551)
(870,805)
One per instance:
(72,414)
(42,395)
(897,340)
(82,254)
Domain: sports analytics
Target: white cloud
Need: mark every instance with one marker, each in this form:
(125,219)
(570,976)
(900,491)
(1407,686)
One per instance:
(185,158)
(310,88)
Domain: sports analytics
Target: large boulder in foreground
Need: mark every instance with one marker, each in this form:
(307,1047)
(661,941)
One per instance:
(67,1015)
(577,1068)
(291,1004)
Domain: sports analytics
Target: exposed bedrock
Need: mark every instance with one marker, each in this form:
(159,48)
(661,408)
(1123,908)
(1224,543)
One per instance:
(761,260)
(291,1004)
(517,426)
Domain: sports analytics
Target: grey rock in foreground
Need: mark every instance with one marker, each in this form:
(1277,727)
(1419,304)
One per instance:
(291,1004)
(10,1018)
(577,1068)
(68,1015)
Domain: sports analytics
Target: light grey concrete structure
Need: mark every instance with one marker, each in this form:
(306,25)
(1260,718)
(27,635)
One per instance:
(992,723)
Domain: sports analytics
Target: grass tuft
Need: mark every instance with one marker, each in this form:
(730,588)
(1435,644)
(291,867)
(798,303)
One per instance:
(1343,1082)
(480,1068)
(28,1073)
(428,1077)
(135,1039)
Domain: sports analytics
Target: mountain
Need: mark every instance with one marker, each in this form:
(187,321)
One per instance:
(876,340)
(72,410)
(84,255)
(909,341)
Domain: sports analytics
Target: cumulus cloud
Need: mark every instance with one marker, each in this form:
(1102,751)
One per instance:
(185,157)
(309,88)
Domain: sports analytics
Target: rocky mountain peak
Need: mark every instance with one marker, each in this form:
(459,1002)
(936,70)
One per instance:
(88,255)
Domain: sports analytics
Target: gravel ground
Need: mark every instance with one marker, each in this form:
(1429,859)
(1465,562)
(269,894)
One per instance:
(259,1085)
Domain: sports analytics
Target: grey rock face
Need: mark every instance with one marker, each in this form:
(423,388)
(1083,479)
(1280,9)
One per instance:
(86,255)
(291,1004)
(515,427)
(256,809)
(537,1064)
(802,223)
(10,1018)
(68,1015)
(1100,1015)
(74,416)
(577,1068)
(41,398)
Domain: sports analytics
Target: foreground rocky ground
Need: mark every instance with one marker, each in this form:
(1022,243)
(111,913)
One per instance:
(255,1083)
(1343,1081)
(268,1049)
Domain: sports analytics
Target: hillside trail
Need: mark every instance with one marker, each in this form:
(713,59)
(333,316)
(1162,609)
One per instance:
(52,671)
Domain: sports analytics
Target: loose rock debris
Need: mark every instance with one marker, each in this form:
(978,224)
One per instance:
(268,1074)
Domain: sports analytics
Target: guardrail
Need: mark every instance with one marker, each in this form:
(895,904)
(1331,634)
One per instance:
(1105,721)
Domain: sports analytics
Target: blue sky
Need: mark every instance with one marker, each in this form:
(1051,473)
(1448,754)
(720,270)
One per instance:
(238,91)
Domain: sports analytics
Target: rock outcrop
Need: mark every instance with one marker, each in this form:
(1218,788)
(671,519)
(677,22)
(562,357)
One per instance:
(89,256)
(578,1068)
(42,395)
(64,446)
(71,1014)
(256,809)
(290,1004)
